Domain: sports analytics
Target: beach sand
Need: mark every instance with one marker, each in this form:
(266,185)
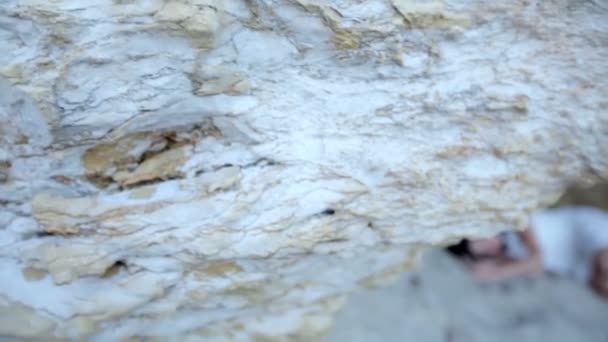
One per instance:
(441,302)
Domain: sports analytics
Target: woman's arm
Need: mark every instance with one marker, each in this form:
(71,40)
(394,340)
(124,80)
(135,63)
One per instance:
(486,271)
(496,271)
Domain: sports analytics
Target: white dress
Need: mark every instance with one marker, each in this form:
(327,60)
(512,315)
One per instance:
(569,237)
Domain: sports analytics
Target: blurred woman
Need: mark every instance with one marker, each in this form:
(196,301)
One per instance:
(569,241)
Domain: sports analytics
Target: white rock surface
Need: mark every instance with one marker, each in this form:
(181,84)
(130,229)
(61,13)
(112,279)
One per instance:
(201,169)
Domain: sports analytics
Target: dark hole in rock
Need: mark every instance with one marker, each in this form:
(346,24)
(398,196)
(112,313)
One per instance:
(328,211)
(336,240)
(44,234)
(114,269)
(151,182)
(100,181)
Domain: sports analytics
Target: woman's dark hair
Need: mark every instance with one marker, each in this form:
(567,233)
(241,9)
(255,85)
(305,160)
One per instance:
(461,249)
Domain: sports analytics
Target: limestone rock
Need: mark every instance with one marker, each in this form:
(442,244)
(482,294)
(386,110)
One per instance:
(163,166)
(214,80)
(428,14)
(232,170)
(198,19)
(18,319)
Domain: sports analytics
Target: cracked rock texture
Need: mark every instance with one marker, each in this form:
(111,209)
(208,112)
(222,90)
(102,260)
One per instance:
(230,170)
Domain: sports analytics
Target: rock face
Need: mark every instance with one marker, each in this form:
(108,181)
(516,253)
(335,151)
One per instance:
(231,170)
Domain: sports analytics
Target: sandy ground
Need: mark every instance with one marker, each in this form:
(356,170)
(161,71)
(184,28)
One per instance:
(440,302)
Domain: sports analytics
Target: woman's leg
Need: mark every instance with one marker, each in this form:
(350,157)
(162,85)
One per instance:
(599,278)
